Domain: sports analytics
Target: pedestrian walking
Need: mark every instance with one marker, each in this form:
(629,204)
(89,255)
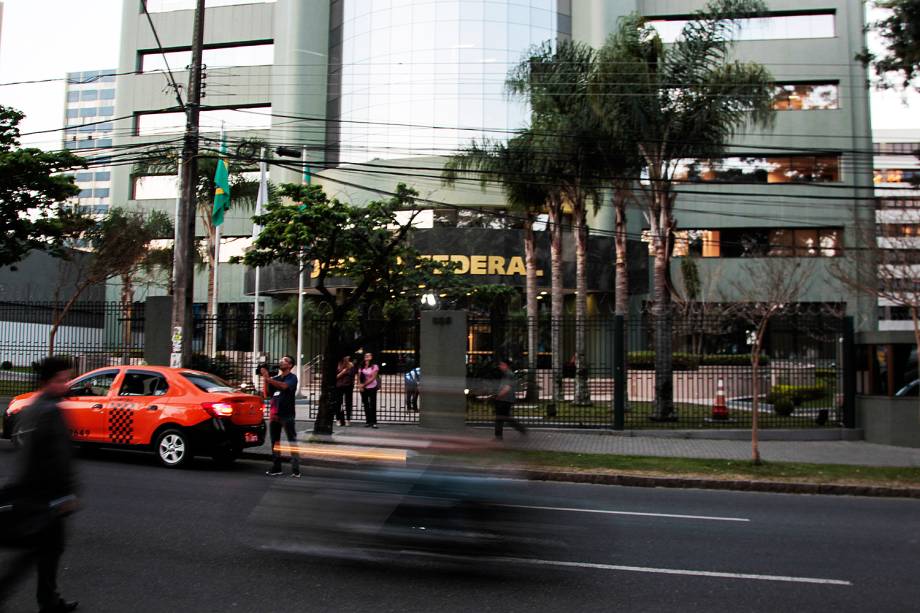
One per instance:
(282,389)
(369,385)
(344,390)
(504,401)
(412,379)
(42,492)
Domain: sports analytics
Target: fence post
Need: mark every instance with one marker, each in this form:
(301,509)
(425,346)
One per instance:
(849,373)
(619,371)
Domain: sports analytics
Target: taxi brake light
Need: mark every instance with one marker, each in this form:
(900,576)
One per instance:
(218,409)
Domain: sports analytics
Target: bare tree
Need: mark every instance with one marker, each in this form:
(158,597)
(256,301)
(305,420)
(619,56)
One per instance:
(768,288)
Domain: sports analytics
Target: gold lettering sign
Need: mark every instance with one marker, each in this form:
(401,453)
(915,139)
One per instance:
(478,264)
(485,264)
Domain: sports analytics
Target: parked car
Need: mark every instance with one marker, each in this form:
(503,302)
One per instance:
(177,413)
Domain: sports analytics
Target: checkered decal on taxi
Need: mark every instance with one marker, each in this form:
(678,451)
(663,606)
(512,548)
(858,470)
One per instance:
(121,423)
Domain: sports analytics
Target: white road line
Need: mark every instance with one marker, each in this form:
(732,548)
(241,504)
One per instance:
(678,571)
(606,512)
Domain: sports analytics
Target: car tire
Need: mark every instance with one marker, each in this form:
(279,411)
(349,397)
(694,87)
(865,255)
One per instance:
(172,448)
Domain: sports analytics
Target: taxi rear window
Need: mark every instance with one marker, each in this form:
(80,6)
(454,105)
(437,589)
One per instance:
(208,383)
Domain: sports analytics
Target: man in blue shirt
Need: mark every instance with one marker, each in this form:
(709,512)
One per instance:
(413,378)
(282,389)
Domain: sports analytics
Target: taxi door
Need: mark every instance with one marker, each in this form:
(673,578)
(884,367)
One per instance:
(85,404)
(135,410)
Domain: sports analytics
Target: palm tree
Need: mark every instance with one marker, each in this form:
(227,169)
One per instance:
(683,101)
(554,79)
(511,165)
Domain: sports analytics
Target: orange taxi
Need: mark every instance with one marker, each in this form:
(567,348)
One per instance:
(176,412)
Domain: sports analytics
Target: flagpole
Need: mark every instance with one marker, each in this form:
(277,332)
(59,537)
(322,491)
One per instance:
(216,271)
(262,197)
(300,288)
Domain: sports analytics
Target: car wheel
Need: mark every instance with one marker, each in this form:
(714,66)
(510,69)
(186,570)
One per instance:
(173,449)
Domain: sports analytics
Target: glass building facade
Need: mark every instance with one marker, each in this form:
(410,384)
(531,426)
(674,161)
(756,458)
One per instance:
(423,77)
(89,129)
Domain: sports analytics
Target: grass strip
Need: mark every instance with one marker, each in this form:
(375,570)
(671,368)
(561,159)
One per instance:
(795,472)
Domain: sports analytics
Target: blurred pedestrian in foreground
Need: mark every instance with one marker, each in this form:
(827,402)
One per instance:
(43,490)
(369,385)
(504,400)
(344,390)
(413,378)
(282,389)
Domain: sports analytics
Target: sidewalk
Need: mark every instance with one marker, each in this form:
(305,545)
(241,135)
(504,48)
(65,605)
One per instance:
(605,442)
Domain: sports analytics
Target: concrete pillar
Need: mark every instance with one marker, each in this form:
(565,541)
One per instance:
(442,403)
(157,331)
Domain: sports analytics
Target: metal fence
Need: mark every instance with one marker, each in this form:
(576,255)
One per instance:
(801,375)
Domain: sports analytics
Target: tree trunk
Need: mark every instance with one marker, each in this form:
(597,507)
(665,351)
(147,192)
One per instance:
(326,412)
(127,302)
(533,316)
(661,310)
(621,300)
(60,315)
(582,392)
(557,298)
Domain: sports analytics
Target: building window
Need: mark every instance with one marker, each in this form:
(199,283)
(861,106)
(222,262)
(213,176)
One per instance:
(85,193)
(73,96)
(83,176)
(755,169)
(106,111)
(901,176)
(895,148)
(899,230)
(155,187)
(107,94)
(73,113)
(774,27)
(898,203)
(101,193)
(806,97)
(249,118)
(165,6)
(104,142)
(755,242)
(259,54)
(89,95)
(87,112)
(103,176)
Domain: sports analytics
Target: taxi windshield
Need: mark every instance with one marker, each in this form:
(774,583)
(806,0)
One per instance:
(208,383)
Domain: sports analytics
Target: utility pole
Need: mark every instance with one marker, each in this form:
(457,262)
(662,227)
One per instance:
(183,261)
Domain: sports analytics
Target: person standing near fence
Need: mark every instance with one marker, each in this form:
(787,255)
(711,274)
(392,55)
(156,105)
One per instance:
(369,385)
(281,389)
(412,378)
(43,490)
(504,401)
(344,390)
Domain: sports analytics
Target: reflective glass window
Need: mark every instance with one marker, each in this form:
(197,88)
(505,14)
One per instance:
(785,169)
(106,111)
(155,187)
(89,95)
(775,27)
(73,96)
(107,94)
(103,176)
(254,118)
(806,96)
(218,57)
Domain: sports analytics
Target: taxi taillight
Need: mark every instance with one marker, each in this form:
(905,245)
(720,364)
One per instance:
(218,409)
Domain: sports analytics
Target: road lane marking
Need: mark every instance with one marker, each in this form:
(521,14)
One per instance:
(637,513)
(679,571)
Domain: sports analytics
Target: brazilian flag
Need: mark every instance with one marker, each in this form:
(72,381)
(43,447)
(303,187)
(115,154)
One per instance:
(222,187)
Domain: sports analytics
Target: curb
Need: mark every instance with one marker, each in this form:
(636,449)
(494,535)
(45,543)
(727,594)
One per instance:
(627,480)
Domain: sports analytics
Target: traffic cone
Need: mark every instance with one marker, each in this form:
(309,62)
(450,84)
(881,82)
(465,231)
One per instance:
(719,410)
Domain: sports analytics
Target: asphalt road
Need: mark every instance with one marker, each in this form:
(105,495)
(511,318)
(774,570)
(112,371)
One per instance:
(151,539)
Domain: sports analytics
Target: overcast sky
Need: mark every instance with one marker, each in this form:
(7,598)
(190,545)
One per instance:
(45,39)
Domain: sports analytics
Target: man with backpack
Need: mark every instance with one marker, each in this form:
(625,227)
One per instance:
(504,400)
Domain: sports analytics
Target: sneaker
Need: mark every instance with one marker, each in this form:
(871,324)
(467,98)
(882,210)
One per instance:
(273,473)
(296,475)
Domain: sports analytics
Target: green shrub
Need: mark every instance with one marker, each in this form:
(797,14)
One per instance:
(796,394)
(645,360)
(7,365)
(740,359)
(783,406)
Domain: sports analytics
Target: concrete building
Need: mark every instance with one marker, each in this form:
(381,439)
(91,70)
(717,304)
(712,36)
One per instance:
(379,91)
(897,171)
(89,129)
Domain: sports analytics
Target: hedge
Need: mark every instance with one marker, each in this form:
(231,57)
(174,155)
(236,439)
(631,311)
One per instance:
(645,360)
(796,394)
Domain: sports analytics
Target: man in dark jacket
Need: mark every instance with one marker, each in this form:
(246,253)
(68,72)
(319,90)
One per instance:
(44,481)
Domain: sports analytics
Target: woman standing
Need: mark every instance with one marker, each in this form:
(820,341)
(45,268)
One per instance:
(344,390)
(369,385)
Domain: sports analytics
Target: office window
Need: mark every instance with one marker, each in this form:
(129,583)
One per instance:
(778,242)
(756,169)
(104,176)
(164,6)
(806,97)
(218,57)
(73,113)
(85,193)
(104,142)
(899,230)
(106,111)
(73,96)
(87,112)
(83,176)
(899,176)
(104,127)
(89,95)
(101,192)
(107,94)
(155,187)
(251,118)
(775,27)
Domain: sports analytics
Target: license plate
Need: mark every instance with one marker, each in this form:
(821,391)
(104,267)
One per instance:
(251,437)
